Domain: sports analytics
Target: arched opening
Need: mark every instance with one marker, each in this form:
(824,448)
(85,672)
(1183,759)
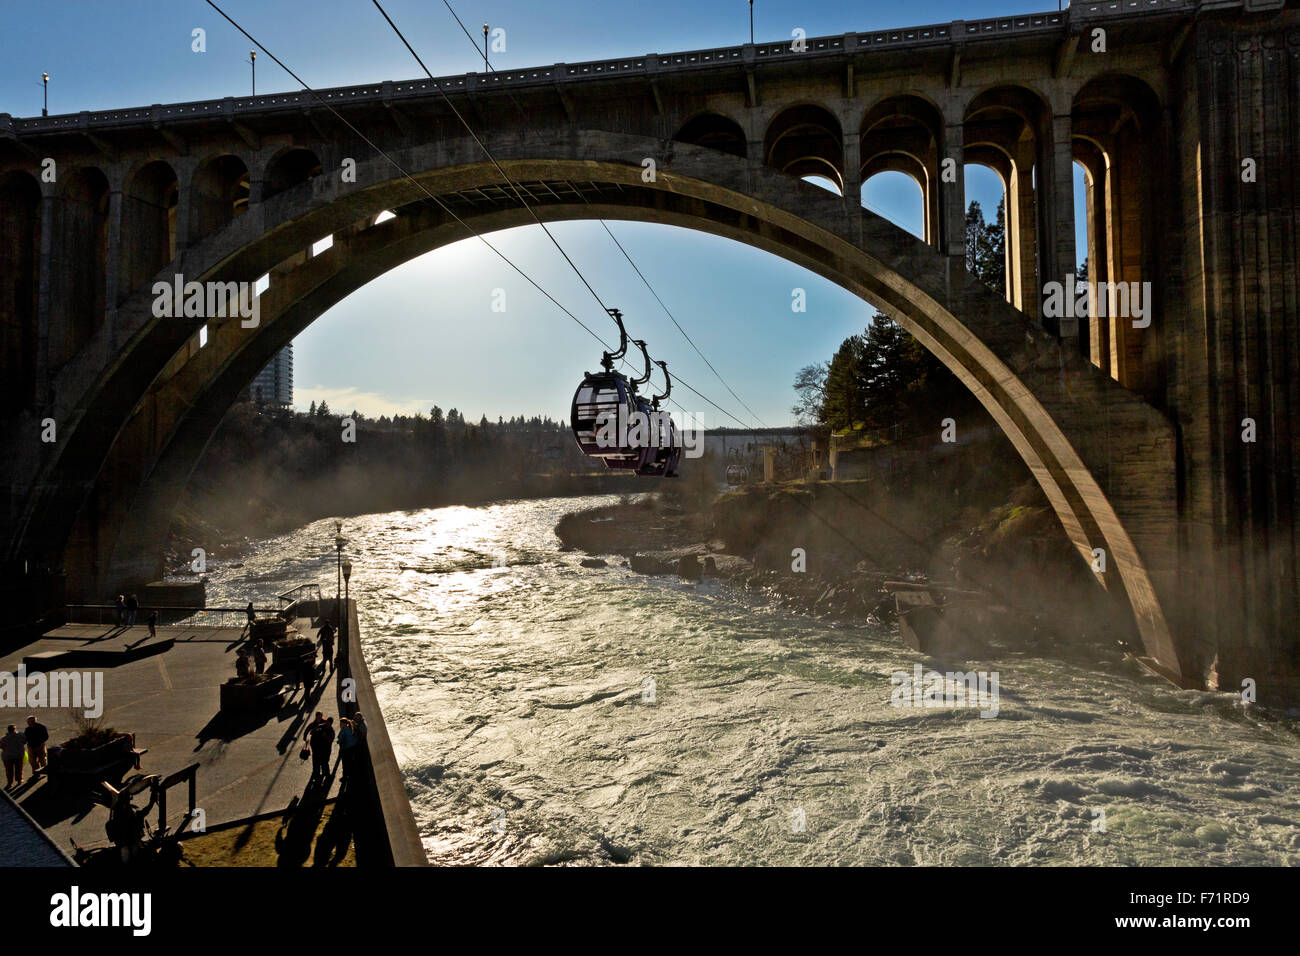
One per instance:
(218,194)
(989,255)
(1004,130)
(20,244)
(288,169)
(903,134)
(149,204)
(806,141)
(81,257)
(893,189)
(1117,128)
(714,131)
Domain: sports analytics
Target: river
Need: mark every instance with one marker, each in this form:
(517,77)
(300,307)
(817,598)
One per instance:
(543,712)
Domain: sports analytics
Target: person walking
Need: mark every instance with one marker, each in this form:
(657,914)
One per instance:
(252,618)
(121,609)
(12,745)
(327,643)
(36,734)
(153,623)
(132,608)
(322,746)
(348,748)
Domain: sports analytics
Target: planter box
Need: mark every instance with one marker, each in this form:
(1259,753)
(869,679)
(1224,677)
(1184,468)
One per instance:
(270,627)
(292,653)
(241,697)
(90,761)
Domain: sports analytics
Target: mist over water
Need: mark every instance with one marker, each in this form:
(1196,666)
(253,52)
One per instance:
(514,685)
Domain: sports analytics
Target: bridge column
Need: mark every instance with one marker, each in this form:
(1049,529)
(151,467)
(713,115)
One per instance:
(44,291)
(113,263)
(853,170)
(1056,210)
(952,195)
(1021,231)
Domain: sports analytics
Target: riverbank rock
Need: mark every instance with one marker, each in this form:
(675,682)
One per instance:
(647,564)
(593,562)
(689,567)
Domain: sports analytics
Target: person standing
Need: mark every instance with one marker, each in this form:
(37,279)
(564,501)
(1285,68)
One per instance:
(12,745)
(132,608)
(37,734)
(252,618)
(121,609)
(259,657)
(322,746)
(153,623)
(348,749)
(359,725)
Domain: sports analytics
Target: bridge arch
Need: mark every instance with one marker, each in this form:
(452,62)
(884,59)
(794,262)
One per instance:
(903,134)
(289,167)
(219,192)
(714,130)
(80,285)
(150,202)
(806,140)
(1118,124)
(1035,392)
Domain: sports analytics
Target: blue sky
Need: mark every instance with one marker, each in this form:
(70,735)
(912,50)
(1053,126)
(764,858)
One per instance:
(425,333)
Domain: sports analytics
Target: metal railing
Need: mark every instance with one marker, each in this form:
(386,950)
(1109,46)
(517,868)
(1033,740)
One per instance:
(107,615)
(303,592)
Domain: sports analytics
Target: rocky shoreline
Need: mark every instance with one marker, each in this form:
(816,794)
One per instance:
(1019,581)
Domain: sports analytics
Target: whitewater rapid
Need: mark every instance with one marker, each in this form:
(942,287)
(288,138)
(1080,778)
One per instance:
(543,712)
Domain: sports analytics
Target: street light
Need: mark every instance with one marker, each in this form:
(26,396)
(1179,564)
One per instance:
(252,58)
(751,21)
(485,38)
(45,84)
(347,598)
(339,541)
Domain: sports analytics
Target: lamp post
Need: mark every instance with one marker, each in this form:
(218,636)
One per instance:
(252,58)
(485,39)
(751,21)
(339,541)
(45,89)
(347,598)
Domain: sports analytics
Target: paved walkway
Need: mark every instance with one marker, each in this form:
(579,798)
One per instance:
(171,702)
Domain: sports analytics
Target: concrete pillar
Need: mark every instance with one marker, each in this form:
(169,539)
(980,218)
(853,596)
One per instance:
(113,260)
(49,213)
(1022,232)
(1056,256)
(853,170)
(952,204)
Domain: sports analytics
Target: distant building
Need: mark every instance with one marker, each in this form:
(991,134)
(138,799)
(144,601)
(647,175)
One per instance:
(274,384)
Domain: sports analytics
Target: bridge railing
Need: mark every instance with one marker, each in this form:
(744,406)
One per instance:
(848,43)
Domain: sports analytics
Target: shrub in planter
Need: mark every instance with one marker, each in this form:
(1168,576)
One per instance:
(292,649)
